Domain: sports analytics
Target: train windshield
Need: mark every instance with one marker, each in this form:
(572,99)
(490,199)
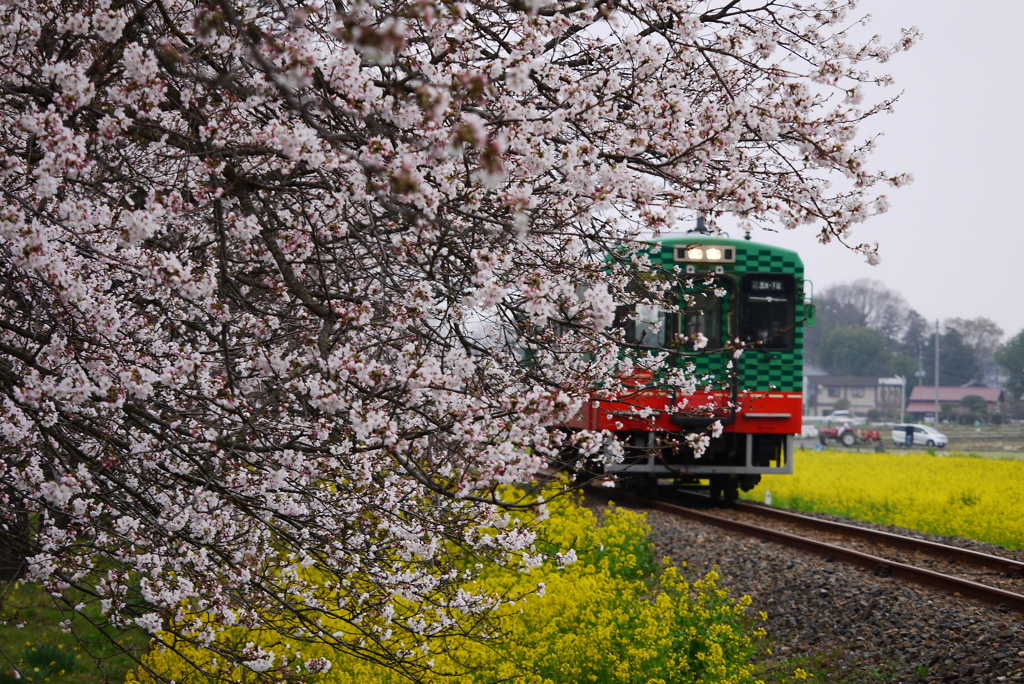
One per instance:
(768,310)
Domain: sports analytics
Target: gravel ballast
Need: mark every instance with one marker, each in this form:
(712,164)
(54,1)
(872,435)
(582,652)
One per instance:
(864,627)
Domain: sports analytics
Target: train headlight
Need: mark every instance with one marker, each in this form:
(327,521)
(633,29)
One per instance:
(706,253)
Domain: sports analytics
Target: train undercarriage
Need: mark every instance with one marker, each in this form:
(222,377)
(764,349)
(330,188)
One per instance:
(732,462)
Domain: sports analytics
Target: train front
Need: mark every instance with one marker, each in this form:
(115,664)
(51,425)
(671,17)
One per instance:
(741,312)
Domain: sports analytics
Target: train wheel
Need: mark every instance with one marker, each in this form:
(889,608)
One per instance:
(848,439)
(732,489)
(724,488)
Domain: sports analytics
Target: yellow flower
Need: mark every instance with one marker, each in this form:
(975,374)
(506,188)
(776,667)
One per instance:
(612,616)
(954,495)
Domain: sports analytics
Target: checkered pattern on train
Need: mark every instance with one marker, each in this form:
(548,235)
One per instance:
(776,370)
(781,369)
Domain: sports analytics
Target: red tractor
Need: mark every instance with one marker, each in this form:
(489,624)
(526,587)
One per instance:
(844,433)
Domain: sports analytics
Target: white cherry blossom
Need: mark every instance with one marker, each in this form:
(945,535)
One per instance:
(288,290)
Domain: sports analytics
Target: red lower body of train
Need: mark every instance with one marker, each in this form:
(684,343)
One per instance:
(658,428)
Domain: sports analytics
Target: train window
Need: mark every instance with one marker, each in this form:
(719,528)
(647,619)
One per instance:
(649,327)
(704,316)
(768,310)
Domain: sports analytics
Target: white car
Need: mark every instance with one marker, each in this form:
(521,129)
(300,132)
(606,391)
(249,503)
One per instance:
(808,430)
(921,435)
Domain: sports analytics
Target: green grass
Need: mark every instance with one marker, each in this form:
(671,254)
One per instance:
(831,664)
(33,645)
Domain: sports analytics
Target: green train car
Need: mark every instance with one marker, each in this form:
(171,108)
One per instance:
(741,328)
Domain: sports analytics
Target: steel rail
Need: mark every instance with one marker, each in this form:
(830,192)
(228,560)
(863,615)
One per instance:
(985,560)
(883,566)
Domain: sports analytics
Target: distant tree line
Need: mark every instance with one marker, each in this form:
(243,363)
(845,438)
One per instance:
(866,329)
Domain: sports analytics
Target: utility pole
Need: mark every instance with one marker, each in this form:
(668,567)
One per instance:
(903,395)
(936,372)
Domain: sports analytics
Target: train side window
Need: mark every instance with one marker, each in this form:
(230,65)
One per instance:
(768,310)
(704,316)
(650,327)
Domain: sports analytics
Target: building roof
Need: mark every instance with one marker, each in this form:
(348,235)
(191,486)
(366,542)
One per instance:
(845,381)
(927,394)
(921,406)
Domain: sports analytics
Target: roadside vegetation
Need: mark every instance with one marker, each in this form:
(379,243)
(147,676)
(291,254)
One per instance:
(961,495)
(35,648)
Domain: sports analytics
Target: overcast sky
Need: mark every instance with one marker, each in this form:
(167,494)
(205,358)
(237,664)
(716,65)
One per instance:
(952,243)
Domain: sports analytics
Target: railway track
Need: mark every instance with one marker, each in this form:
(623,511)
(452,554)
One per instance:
(991,579)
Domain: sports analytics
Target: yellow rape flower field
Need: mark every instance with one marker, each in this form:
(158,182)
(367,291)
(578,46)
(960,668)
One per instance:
(956,495)
(615,616)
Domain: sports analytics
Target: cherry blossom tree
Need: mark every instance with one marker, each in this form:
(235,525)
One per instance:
(290,289)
